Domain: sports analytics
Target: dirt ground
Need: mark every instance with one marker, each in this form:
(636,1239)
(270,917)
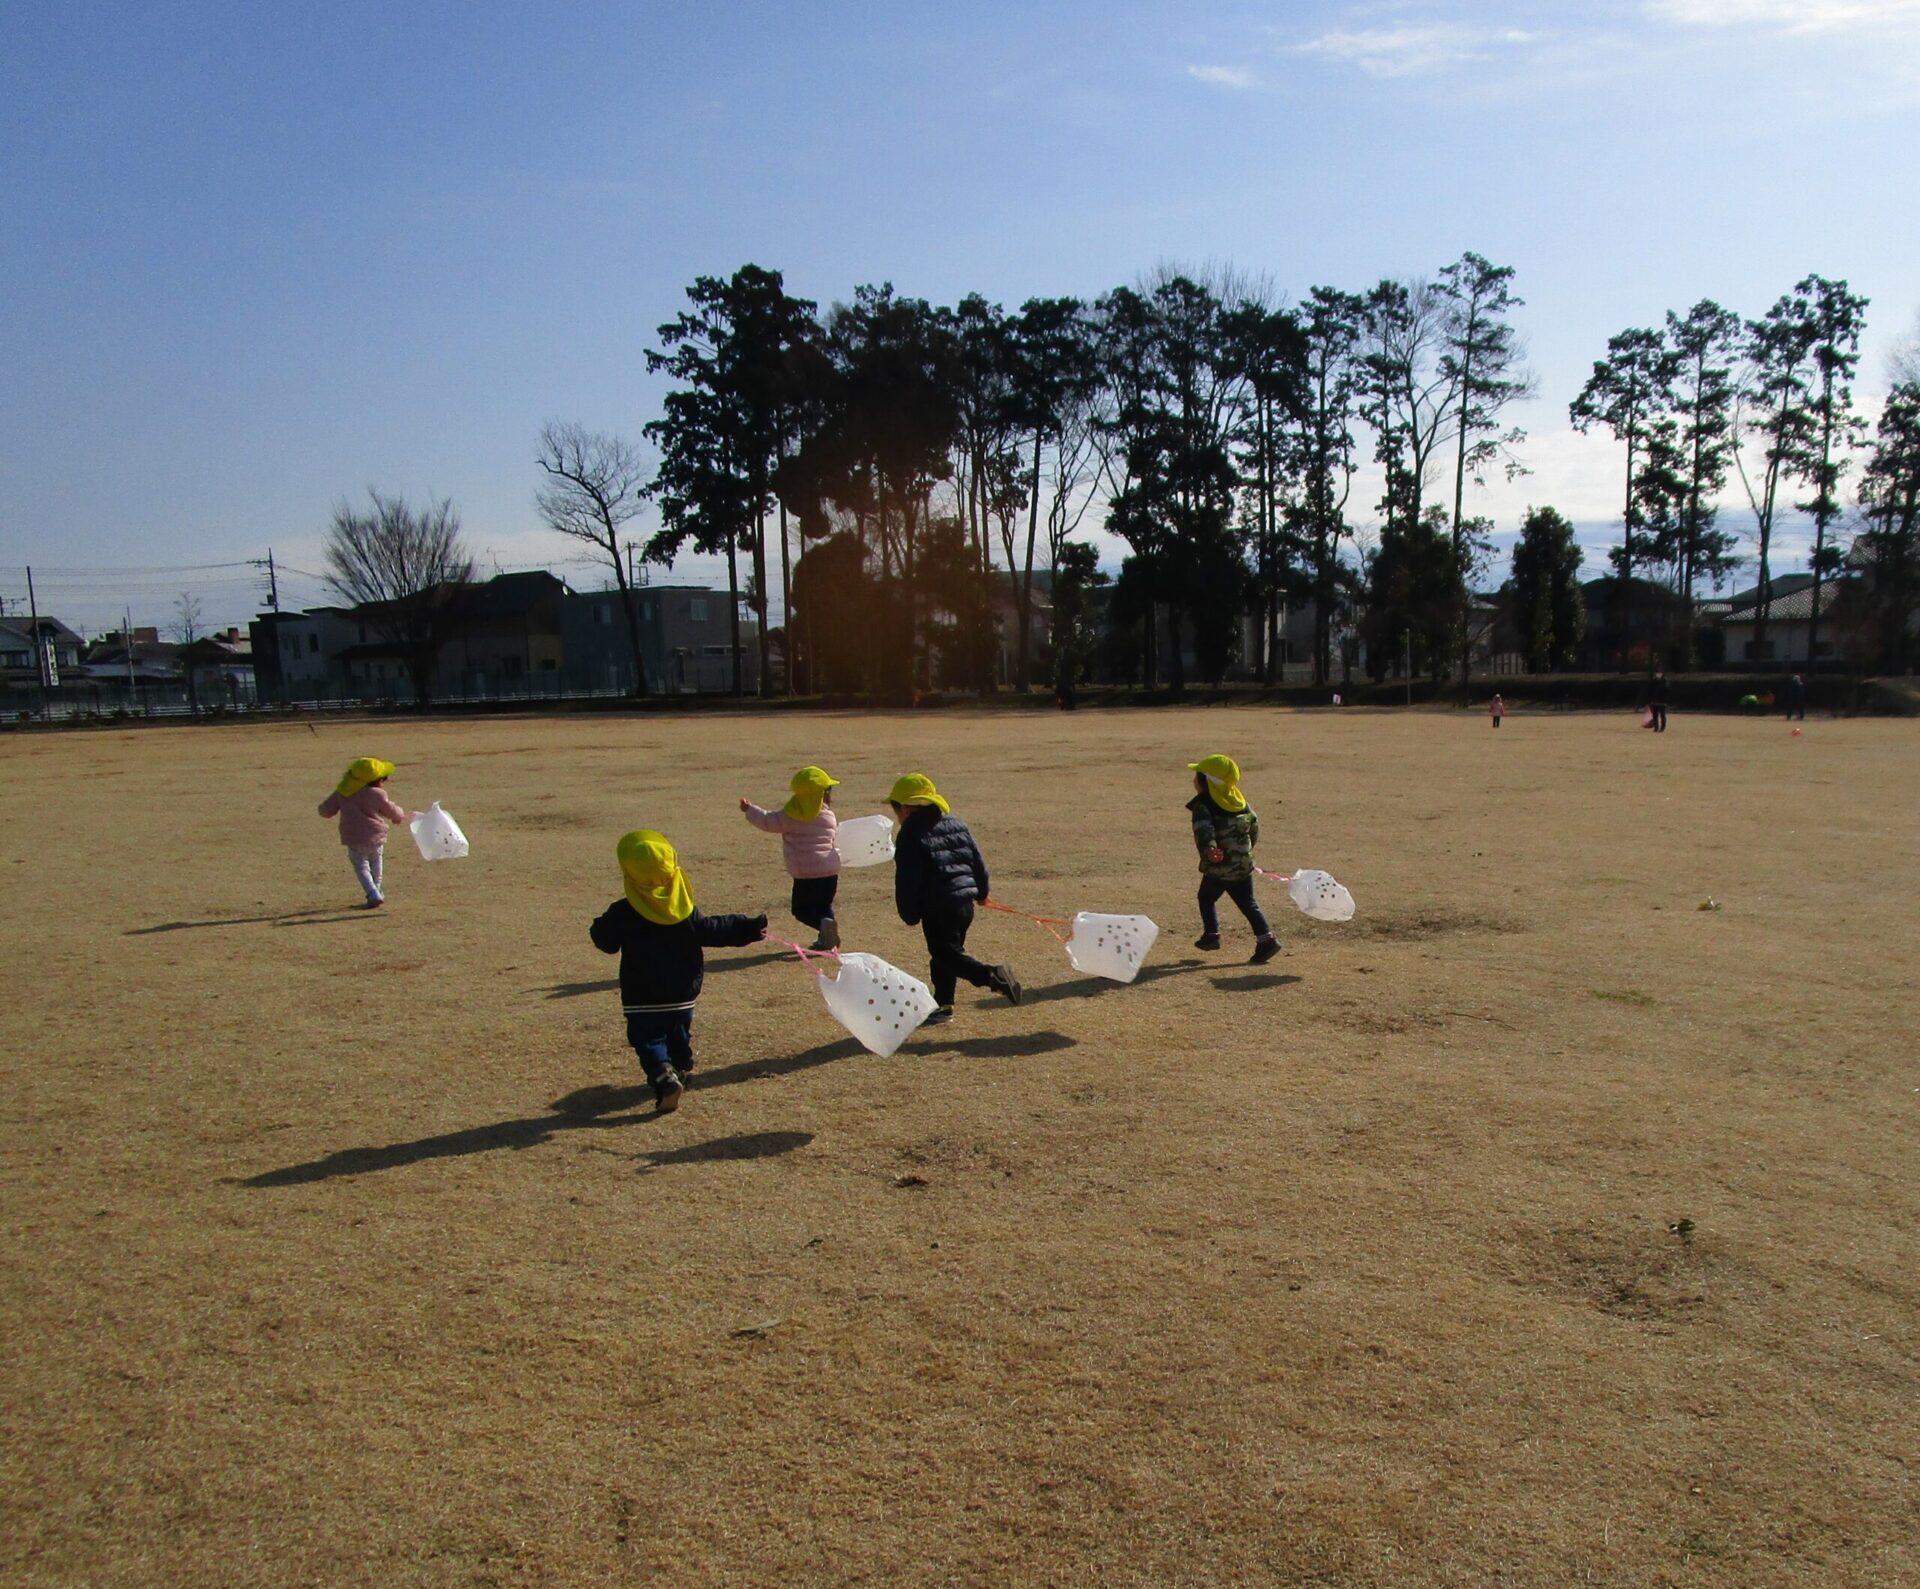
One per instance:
(1536,1227)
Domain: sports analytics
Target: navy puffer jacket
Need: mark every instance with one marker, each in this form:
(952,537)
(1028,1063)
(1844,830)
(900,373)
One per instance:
(661,966)
(936,865)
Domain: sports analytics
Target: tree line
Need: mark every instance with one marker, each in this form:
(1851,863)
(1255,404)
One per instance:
(898,471)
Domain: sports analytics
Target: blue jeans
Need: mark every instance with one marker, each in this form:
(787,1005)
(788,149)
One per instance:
(662,1040)
(1240,891)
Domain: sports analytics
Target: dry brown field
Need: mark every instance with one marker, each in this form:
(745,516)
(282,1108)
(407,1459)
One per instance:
(1535,1227)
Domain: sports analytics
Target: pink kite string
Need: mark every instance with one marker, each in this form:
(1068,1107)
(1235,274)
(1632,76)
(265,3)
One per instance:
(805,954)
(1049,922)
(1273,877)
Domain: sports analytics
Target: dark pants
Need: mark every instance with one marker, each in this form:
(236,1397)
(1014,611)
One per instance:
(813,899)
(946,934)
(1240,891)
(662,1040)
(1659,717)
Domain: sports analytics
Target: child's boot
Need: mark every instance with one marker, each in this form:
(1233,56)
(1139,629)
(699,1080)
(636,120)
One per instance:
(942,1014)
(1207,940)
(1264,950)
(667,1088)
(829,938)
(1005,982)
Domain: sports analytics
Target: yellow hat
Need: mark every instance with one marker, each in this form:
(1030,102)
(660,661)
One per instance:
(916,789)
(368,769)
(1223,781)
(656,887)
(809,786)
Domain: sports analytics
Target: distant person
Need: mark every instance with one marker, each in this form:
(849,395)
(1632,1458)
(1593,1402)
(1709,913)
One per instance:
(938,874)
(1498,710)
(658,935)
(366,811)
(1797,697)
(809,844)
(1225,831)
(1657,702)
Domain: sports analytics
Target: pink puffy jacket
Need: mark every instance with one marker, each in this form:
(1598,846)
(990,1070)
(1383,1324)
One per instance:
(364,817)
(811,848)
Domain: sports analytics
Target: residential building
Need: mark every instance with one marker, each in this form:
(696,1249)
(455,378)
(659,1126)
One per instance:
(685,641)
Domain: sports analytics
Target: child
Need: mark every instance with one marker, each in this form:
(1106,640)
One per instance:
(807,828)
(366,812)
(1498,711)
(658,935)
(1225,831)
(937,875)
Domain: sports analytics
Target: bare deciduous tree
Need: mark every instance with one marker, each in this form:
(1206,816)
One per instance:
(594,488)
(188,625)
(403,567)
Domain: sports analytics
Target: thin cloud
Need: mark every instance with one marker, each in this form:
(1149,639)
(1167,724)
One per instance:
(1413,50)
(1223,76)
(1790,16)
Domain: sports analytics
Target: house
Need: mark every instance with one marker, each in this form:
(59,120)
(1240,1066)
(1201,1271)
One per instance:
(51,656)
(219,669)
(1789,621)
(686,641)
(294,653)
(1633,625)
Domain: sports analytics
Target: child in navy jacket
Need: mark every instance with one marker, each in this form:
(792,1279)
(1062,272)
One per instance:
(938,873)
(659,937)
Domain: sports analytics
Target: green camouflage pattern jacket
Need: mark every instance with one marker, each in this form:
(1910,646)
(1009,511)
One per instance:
(1234,833)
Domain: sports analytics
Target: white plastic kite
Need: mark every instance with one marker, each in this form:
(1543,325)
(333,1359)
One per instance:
(879,1003)
(1110,946)
(1114,947)
(1315,893)
(438,835)
(865,841)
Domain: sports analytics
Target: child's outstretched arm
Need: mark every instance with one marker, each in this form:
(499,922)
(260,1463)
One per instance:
(330,807)
(766,821)
(727,932)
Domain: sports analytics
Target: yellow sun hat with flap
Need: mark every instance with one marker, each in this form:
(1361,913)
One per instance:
(916,789)
(656,887)
(809,786)
(365,770)
(1223,781)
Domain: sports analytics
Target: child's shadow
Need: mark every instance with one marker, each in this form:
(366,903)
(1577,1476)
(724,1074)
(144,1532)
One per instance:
(1253,980)
(1014,1045)
(1093,987)
(744,1145)
(317,917)
(590,1108)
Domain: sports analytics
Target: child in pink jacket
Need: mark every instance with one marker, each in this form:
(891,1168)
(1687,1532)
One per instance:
(809,836)
(366,811)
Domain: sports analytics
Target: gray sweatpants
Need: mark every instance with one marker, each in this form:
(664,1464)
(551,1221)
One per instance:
(366,868)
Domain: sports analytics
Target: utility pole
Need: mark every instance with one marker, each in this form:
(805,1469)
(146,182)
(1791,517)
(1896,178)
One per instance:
(127,635)
(39,645)
(1407,639)
(273,584)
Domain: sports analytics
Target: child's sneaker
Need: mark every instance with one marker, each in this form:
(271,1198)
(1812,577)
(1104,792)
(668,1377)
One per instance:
(1264,951)
(1207,940)
(667,1088)
(942,1014)
(829,938)
(1004,981)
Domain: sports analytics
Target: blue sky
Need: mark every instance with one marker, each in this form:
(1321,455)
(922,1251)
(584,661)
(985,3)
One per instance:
(258,258)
